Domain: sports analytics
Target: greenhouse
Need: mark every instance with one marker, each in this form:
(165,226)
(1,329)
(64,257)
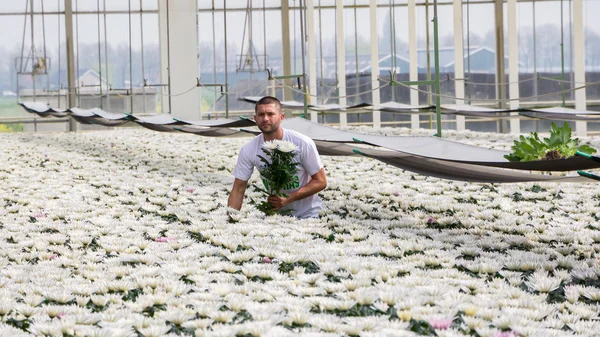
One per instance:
(451,145)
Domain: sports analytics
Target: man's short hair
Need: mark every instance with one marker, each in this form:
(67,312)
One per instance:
(269,100)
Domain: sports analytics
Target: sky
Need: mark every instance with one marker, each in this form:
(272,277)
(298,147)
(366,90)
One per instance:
(86,26)
(481,20)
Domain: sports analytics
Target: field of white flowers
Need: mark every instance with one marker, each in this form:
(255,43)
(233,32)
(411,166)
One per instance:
(124,233)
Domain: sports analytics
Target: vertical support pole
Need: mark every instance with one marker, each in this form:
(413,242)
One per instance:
(376,99)
(131,93)
(214,47)
(321,98)
(165,55)
(459,62)
(72,99)
(226,59)
(285,43)
(513,64)
(413,71)
(76,48)
(142,54)
(438,91)
(99,54)
(107,74)
(312,55)
(500,72)
(341,58)
(33,51)
(59,85)
(179,69)
(579,58)
(304,76)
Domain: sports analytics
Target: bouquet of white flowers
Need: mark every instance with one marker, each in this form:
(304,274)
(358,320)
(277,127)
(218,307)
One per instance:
(279,171)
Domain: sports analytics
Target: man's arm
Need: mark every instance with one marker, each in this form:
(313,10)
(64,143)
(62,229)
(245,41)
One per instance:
(236,197)
(317,183)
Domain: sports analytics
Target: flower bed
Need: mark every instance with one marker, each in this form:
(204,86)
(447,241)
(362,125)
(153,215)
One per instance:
(125,233)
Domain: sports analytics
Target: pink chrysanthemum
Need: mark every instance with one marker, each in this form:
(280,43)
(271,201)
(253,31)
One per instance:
(441,323)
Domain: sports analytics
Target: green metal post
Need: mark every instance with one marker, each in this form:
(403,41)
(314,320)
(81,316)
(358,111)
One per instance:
(305,97)
(562,83)
(562,56)
(437,71)
(305,90)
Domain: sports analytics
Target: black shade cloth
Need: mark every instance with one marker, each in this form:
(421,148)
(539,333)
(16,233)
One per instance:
(461,172)
(562,114)
(475,111)
(43,110)
(443,158)
(437,148)
(220,123)
(403,108)
(212,132)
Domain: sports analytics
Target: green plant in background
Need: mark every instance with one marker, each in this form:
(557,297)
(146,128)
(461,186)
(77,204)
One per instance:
(5,128)
(559,145)
(9,108)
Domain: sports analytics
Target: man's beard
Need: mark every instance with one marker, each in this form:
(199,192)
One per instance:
(269,129)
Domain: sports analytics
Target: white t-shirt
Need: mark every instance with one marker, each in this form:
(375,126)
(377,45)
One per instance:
(306,155)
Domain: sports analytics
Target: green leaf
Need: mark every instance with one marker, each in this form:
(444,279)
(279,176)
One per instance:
(559,144)
(586,149)
(421,327)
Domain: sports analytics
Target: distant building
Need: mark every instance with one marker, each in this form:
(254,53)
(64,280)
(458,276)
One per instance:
(481,60)
(90,95)
(478,60)
(91,80)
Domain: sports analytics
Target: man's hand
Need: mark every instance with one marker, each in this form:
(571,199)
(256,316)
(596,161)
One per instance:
(277,202)
(317,183)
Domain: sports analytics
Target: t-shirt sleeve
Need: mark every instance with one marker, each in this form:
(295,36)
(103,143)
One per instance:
(310,158)
(244,167)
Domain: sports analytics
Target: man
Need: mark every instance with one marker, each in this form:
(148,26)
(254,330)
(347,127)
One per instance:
(303,201)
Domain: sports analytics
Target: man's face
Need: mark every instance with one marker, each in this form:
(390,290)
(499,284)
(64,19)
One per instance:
(268,118)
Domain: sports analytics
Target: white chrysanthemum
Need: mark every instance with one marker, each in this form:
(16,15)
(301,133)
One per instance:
(540,281)
(591,293)
(585,311)
(25,310)
(326,323)
(299,317)
(236,303)
(99,300)
(206,309)
(381,306)
(271,144)
(572,293)
(154,330)
(222,316)
(285,146)
(311,278)
(585,328)
(197,324)
(242,256)
(45,329)
(365,296)
(233,213)
(332,288)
